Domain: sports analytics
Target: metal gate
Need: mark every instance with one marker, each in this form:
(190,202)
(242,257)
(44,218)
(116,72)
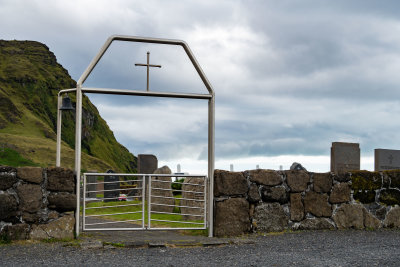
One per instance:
(118,201)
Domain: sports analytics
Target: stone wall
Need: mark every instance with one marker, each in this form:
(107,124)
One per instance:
(36,203)
(270,201)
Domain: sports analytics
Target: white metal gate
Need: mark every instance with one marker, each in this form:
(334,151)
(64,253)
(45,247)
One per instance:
(118,201)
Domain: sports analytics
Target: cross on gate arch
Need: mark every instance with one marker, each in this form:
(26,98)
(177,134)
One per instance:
(210,96)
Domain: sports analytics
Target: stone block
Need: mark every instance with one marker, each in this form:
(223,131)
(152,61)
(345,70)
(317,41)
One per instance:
(345,157)
(196,192)
(165,200)
(30,197)
(317,204)
(30,217)
(393,218)
(62,228)
(62,201)
(30,174)
(296,207)
(322,182)
(60,179)
(340,193)
(265,177)
(8,207)
(381,213)
(297,180)
(364,196)
(390,196)
(394,178)
(7,179)
(315,224)
(231,217)
(15,232)
(229,183)
(349,216)
(274,194)
(254,194)
(370,221)
(387,159)
(270,217)
(341,177)
(365,180)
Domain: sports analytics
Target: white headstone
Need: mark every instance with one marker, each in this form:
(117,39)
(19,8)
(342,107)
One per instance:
(231,168)
(178,168)
(257,166)
(387,159)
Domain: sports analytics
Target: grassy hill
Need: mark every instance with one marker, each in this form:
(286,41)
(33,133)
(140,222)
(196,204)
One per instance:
(30,79)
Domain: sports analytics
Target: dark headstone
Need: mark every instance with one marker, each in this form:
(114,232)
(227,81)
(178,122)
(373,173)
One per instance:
(147,163)
(91,185)
(345,157)
(114,187)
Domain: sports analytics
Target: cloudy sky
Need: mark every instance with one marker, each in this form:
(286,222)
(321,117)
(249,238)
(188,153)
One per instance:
(290,77)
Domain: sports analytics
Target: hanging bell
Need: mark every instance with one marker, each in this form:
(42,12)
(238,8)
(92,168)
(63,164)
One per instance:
(66,103)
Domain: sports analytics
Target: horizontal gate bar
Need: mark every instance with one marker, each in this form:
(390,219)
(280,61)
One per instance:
(162,212)
(176,222)
(104,207)
(113,222)
(166,205)
(99,215)
(199,200)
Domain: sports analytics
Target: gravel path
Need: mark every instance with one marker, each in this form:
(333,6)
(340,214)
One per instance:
(312,248)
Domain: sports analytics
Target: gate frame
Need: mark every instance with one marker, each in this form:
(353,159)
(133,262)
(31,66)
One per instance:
(78,118)
(144,199)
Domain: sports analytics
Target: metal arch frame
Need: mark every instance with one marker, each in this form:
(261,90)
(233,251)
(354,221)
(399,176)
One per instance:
(78,123)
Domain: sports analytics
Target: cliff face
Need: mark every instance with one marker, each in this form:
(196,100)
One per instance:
(30,79)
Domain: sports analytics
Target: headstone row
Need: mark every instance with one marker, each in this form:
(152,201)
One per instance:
(345,157)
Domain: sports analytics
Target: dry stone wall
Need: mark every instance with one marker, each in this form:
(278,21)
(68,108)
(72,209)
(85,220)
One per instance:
(270,201)
(36,203)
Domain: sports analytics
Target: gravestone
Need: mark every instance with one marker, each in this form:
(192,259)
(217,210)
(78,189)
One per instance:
(147,163)
(114,187)
(345,157)
(387,159)
(162,199)
(91,186)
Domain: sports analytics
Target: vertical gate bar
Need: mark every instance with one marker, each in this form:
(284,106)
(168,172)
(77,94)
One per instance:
(143,201)
(149,205)
(84,203)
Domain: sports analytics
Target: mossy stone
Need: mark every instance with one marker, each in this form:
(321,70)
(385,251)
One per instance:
(390,196)
(394,176)
(365,196)
(365,180)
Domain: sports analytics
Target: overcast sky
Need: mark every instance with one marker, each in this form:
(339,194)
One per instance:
(290,77)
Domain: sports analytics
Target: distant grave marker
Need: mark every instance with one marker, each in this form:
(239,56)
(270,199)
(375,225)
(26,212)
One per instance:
(113,194)
(147,163)
(345,157)
(387,159)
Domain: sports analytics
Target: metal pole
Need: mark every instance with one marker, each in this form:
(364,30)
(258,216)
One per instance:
(211,158)
(149,204)
(78,134)
(143,202)
(59,117)
(148,70)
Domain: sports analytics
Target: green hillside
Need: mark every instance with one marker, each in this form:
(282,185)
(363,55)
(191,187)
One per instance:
(30,79)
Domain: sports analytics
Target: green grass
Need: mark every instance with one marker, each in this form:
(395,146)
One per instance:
(10,157)
(138,216)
